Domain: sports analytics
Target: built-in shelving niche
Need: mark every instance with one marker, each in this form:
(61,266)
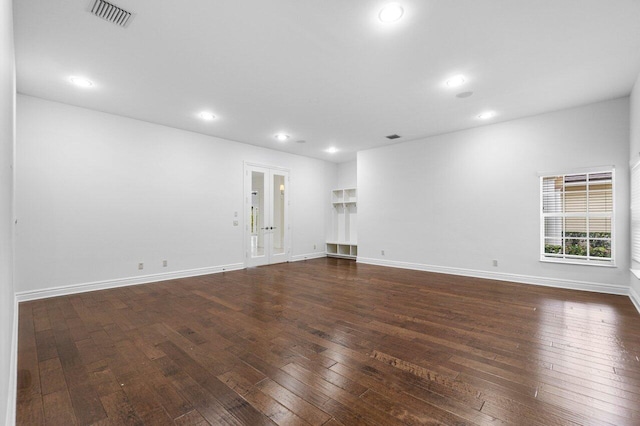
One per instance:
(342,241)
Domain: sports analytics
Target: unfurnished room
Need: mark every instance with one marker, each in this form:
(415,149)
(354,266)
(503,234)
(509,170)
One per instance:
(315,212)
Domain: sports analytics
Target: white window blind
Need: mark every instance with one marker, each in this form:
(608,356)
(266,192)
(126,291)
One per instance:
(576,220)
(635,212)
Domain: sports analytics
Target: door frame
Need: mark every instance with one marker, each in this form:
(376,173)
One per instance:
(246,195)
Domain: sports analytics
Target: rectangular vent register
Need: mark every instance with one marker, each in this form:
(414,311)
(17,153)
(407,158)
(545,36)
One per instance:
(112,13)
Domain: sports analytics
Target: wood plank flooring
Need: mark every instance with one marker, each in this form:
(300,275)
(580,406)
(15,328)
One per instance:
(329,342)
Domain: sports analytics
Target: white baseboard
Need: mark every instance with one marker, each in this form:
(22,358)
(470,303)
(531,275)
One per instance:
(501,276)
(13,370)
(635,298)
(24,296)
(307,256)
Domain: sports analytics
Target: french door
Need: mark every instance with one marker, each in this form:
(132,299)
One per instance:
(266,215)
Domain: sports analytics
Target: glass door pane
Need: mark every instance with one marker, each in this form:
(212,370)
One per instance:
(257,214)
(278,214)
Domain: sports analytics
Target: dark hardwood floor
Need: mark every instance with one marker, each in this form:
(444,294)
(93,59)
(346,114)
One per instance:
(329,342)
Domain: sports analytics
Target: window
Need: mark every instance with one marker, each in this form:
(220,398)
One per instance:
(635,213)
(577,218)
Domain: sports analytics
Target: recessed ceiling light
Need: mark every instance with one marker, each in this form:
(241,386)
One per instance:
(391,13)
(487,115)
(281,137)
(206,115)
(331,150)
(81,81)
(456,81)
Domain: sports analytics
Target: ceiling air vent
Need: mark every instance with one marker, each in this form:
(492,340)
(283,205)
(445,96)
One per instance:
(392,137)
(112,13)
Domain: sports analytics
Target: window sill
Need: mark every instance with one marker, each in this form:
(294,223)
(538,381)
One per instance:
(581,263)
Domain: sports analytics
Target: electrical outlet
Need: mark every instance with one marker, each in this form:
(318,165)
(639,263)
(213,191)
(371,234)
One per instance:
(164,263)
(314,246)
(382,252)
(495,262)
(140,266)
(235,214)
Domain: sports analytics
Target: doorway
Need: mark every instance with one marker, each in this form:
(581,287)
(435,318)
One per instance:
(266,215)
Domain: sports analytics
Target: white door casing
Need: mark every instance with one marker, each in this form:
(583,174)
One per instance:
(266,195)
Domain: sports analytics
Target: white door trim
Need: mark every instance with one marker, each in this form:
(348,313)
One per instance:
(247,185)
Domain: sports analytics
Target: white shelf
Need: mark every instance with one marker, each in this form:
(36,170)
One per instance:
(344,196)
(344,250)
(343,236)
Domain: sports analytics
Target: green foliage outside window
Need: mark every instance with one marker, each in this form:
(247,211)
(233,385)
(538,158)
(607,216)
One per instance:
(576,244)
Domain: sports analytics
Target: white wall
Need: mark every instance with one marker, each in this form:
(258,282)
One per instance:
(7,296)
(634,155)
(331,178)
(347,175)
(96,194)
(453,203)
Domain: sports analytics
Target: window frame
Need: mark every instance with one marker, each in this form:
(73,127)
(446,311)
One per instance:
(569,259)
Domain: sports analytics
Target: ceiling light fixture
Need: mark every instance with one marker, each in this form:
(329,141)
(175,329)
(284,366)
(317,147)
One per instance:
(81,82)
(487,115)
(206,115)
(281,137)
(331,150)
(456,81)
(391,13)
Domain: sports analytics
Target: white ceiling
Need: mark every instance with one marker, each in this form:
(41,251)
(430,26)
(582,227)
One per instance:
(328,71)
